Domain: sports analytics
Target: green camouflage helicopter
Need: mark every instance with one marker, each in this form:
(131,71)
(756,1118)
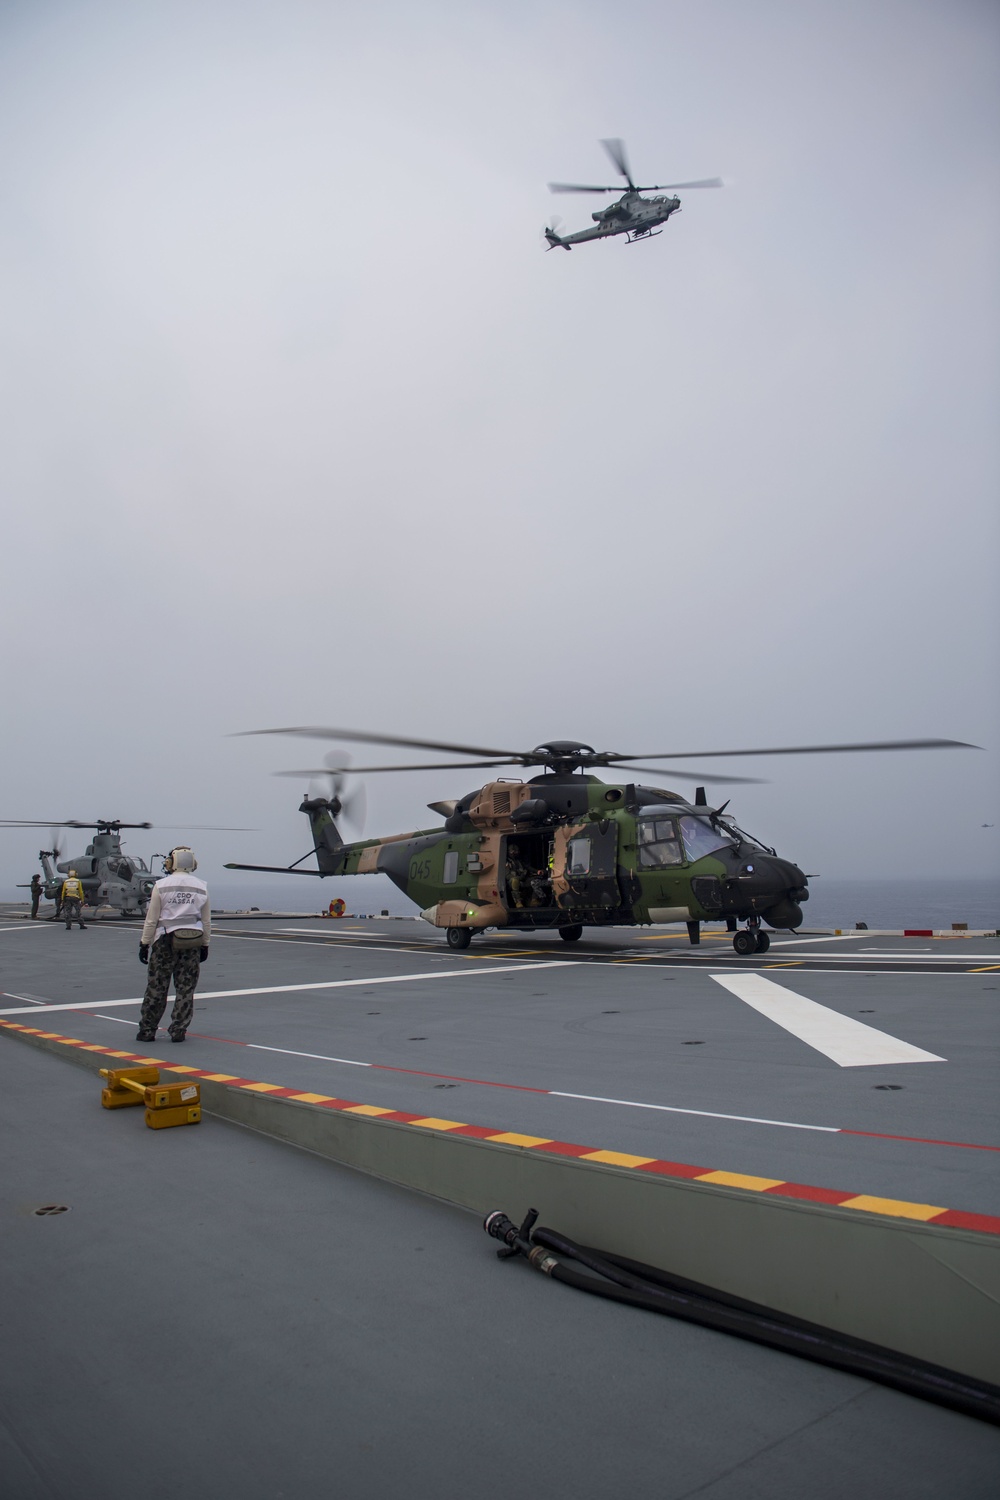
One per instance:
(565,850)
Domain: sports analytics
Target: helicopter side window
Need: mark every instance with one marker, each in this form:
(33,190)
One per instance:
(700,838)
(579,856)
(659,846)
(123,870)
(451,867)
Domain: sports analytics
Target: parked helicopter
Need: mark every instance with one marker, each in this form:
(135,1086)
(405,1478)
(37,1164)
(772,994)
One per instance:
(634,216)
(110,877)
(566,850)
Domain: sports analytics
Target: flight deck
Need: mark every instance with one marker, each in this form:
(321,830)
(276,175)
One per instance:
(858,1068)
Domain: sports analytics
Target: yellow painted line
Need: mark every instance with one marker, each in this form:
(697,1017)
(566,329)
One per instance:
(788,963)
(368,1109)
(893,1206)
(90,1047)
(219,1077)
(119,1054)
(431,1124)
(741,1180)
(618,1158)
(988,969)
(152,1062)
(312,1098)
(261,1088)
(681,937)
(511,1138)
(180,1068)
(640,958)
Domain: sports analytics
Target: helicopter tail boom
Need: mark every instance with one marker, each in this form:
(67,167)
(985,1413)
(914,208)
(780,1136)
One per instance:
(327,839)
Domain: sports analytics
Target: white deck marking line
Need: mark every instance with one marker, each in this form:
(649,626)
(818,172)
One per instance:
(841,937)
(848,1043)
(292,989)
(708,1114)
(28,926)
(349,1062)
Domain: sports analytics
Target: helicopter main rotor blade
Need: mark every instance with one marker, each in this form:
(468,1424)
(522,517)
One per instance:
(69,823)
(448,765)
(579,187)
(616,151)
(804,750)
(115,826)
(318,732)
(662,187)
(696,776)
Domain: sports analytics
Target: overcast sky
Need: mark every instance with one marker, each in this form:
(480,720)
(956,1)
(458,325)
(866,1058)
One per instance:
(301,425)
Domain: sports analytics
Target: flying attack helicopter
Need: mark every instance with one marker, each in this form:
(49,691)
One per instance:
(633,215)
(566,850)
(110,877)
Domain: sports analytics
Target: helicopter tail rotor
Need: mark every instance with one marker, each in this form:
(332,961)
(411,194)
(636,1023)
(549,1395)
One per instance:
(551,234)
(330,786)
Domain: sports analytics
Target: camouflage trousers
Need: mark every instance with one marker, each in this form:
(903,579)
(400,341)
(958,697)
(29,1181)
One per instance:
(72,911)
(165,964)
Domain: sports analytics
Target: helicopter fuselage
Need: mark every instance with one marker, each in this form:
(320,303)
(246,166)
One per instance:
(631,214)
(108,875)
(570,851)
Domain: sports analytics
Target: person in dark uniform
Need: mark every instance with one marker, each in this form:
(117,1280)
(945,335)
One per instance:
(36,894)
(517,877)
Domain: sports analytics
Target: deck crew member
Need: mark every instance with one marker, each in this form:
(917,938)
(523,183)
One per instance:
(71,901)
(174,943)
(36,893)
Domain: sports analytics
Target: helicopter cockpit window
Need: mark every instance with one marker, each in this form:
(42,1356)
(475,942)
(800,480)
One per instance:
(122,869)
(700,838)
(579,856)
(659,845)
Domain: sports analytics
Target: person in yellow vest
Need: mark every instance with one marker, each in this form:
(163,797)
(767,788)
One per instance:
(71,901)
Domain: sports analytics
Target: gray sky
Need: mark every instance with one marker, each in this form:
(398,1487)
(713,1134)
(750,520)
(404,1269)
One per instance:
(300,424)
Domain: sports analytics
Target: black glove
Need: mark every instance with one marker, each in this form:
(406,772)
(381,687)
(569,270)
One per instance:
(202,955)
(144,953)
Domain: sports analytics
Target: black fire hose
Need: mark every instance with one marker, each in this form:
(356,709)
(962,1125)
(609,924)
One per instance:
(629,1281)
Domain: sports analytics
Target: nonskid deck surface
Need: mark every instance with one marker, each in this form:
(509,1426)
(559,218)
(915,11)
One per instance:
(864,1064)
(220,1314)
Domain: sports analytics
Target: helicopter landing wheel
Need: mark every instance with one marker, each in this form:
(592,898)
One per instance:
(571,934)
(458,938)
(745,942)
(763,942)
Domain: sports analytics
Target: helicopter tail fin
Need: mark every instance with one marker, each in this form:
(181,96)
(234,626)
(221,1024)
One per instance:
(327,840)
(554,239)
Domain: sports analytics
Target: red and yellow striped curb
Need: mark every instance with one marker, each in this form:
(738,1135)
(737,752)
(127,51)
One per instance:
(925,1213)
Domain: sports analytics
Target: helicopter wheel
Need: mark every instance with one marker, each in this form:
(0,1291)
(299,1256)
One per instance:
(458,938)
(745,942)
(571,934)
(763,942)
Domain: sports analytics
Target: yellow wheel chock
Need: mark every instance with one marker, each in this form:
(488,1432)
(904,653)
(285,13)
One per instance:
(166,1103)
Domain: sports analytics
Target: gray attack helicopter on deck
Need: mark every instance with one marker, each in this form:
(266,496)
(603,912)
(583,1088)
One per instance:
(109,876)
(636,217)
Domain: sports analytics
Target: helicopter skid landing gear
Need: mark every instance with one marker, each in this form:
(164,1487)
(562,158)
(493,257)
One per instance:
(458,938)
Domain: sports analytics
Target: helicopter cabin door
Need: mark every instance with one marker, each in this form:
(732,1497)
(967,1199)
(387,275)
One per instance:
(585,866)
